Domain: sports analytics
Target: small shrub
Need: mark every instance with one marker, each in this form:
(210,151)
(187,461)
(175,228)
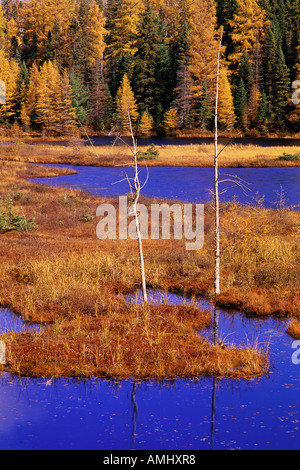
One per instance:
(289,157)
(10,220)
(86,217)
(151,154)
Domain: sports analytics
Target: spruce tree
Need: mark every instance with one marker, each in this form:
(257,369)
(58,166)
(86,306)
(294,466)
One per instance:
(80,97)
(144,81)
(204,108)
(240,103)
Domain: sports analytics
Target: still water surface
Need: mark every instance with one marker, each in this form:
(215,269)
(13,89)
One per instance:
(189,183)
(180,414)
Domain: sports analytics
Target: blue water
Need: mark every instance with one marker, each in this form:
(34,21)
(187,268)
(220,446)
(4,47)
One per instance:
(191,184)
(172,415)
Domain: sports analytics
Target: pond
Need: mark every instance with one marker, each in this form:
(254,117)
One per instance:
(179,414)
(190,184)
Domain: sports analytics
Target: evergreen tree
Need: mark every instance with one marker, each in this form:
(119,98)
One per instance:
(144,81)
(281,88)
(80,98)
(240,103)
(99,103)
(204,108)
(184,100)
(263,113)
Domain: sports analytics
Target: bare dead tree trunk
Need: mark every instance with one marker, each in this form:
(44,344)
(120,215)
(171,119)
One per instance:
(137,191)
(217,199)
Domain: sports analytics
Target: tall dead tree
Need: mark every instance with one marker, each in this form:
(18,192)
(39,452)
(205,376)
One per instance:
(136,196)
(135,188)
(217,198)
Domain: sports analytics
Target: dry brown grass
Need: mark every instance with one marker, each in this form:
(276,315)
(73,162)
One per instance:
(152,341)
(76,153)
(62,275)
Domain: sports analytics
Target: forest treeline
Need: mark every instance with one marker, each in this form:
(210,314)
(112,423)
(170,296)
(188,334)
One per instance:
(72,63)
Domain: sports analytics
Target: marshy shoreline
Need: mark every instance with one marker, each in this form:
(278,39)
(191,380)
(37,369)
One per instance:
(76,152)
(59,274)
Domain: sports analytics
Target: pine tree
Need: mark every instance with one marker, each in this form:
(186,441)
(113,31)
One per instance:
(123,20)
(270,48)
(245,72)
(144,81)
(204,109)
(184,100)
(80,98)
(240,103)
(281,88)
(99,103)
(263,113)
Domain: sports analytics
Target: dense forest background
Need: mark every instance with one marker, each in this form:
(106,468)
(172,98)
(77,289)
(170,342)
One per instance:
(73,63)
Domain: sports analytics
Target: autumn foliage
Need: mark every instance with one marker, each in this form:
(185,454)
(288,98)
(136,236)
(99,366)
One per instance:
(71,57)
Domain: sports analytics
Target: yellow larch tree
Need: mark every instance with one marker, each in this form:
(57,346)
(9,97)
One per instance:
(54,109)
(32,92)
(126,102)
(2,28)
(146,123)
(226,116)
(96,34)
(41,16)
(247,25)
(253,105)
(204,46)
(171,120)
(124,27)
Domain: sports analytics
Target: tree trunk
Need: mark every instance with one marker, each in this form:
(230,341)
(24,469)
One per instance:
(217,201)
(137,188)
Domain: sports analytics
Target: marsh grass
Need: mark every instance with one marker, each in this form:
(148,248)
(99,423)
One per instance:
(151,341)
(234,155)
